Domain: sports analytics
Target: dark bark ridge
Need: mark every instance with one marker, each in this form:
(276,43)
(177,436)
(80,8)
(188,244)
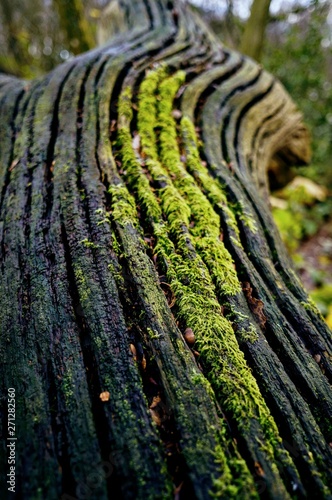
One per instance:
(134,207)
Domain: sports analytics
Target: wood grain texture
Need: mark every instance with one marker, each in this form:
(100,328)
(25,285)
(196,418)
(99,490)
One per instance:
(134,205)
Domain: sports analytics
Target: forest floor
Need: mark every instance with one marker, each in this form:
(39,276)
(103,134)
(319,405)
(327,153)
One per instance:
(316,269)
(317,256)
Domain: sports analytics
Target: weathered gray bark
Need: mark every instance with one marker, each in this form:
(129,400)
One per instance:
(123,224)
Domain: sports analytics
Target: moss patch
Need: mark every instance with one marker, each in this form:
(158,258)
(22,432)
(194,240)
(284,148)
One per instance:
(179,203)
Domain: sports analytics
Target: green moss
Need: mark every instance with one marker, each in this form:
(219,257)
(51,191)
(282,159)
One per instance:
(88,244)
(246,331)
(98,341)
(232,483)
(116,245)
(125,110)
(205,226)
(123,205)
(210,186)
(248,221)
(194,258)
(225,365)
(220,265)
(248,334)
(67,386)
(193,288)
(103,221)
(83,288)
(116,273)
(311,306)
(152,334)
(199,379)
(131,164)
(174,208)
(105,218)
(242,213)
(147,110)
(135,175)
(173,205)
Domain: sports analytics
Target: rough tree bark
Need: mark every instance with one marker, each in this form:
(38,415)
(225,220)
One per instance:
(134,215)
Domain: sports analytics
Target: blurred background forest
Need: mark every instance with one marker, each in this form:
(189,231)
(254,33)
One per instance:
(293,41)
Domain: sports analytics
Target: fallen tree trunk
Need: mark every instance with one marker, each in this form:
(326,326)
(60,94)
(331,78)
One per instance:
(152,326)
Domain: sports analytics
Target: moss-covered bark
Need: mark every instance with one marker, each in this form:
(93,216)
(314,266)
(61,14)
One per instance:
(133,216)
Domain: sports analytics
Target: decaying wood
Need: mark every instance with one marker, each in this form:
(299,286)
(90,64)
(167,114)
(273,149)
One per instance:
(157,337)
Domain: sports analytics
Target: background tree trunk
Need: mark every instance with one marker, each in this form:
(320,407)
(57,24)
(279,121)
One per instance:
(254,32)
(75,26)
(134,221)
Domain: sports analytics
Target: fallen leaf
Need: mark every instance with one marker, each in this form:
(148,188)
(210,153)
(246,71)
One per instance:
(258,469)
(156,400)
(133,351)
(104,396)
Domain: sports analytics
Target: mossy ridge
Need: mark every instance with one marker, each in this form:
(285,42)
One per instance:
(123,204)
(246,331)
(225,363)
(235,478)
(137,180)
(206,229)
(135,175)
(187,267)
(246,218)
(172,202)
(209,185)
(205,226)
(168,138)
(199,309)
(147,116)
